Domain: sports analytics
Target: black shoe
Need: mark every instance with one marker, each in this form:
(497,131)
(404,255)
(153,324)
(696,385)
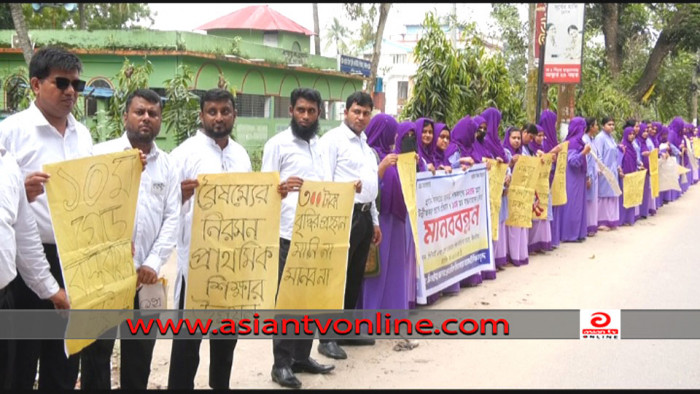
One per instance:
(332,350)
(311,366)
(285,377)
(356,342)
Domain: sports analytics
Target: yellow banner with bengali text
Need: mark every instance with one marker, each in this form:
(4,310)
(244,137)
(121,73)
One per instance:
(497,176)
(559,182)
(696,146)
(234,247)
(406,166)
(633,188)
(521,192)
(93,204)
(315,272)
(542,188)
(654,172)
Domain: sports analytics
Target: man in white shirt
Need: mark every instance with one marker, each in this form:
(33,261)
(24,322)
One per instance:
(20,250)
(348,158)
(46,132)
(210,151)
(294,154)
(155,232)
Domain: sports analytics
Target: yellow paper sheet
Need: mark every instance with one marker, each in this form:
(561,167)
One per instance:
(521,192)
(93,203)
(633,188)
(315,273)
(682,171)
(611,178)
(559,182)
(542,189)
(654,172)
(696,146)
(691,155)
(497,176)
(668,174)
(406,166)
(234,247)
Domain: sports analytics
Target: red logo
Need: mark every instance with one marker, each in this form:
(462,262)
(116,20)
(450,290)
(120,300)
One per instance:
(600,319)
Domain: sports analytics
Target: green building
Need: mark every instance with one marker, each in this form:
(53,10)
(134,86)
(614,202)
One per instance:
(263,54)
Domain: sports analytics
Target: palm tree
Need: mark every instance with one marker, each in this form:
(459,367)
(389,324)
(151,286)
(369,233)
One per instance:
(337,33)
(22,33)
(317,30)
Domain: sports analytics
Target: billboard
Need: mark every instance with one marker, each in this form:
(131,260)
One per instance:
(353,65)
(564,43)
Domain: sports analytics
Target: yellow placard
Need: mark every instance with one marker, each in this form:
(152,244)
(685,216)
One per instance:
(608,175)
(682,171)
(315,272)
(406,166)
(633,188)
(521,192)
(559,182)
(542,189)
(691,155)
(654,172)
(696,146)
(497,176)
(93,204)
(234,247)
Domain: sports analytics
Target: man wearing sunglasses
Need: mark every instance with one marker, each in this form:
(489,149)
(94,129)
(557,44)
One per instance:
(46,132)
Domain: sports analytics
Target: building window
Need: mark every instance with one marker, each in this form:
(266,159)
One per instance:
(402,91)
(296,47)
(97,89)
(270,38)
(399,59)
(282,107)
(253,105)
(15,90)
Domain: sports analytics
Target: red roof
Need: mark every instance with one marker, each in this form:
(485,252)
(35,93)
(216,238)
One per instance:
(256,17)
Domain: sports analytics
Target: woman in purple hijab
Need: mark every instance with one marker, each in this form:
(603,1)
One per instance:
(685,141)
(426,141)
(493,145)
(573,223)
(548,122)
(540,234)
(517,237)
(591,177)
(628,165)
(654,138)
(668,152)
(442,142)
(390,289)
(645,208)
(675,138)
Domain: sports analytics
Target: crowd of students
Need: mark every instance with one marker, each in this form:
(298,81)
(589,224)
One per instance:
(592,204)
(363,149)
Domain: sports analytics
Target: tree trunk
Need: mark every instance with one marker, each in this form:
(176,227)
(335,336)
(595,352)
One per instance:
(317,30)
(694,109)
(611,27)
(22,33)
(81,16)
(383,15)
(662,48)
(531,86)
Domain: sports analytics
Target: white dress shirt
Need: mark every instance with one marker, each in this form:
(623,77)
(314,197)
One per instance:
(347,158)
(291,156)
(158,209)
(200,154)
(20,247)
(34,142)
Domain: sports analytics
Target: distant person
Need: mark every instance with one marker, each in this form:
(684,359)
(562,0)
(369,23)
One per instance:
(606,148)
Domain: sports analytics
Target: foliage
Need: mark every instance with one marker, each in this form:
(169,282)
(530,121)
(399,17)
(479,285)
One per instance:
(366,14)
(181,111)
(514,36)
(129,78)
(336,34)
(453,82)
(98,16)
(6,22)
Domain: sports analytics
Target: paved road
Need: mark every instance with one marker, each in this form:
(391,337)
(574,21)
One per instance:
(652,265)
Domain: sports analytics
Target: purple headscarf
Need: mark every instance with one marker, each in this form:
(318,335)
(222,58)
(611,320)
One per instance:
(655,138)
(460,137)
(548,121)
(506,142)
(675,131)
(425,153)
(439,155)
(662,135)
(643,144)
(381,133)
(629,158)
(403,129)
(577,128)
(492,142)
(534,146)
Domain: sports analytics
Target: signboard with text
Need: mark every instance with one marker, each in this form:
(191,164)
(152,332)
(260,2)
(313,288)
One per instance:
(353,65)
(564,43)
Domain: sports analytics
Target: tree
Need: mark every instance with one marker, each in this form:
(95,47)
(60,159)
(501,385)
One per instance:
(181,112)
(6,22)
(90,16)
(22,32)
(317,30)
(356,11)
(514,36)
(629,24)
(336,33)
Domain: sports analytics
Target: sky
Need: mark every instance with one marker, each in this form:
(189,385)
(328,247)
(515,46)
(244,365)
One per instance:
(189,16)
